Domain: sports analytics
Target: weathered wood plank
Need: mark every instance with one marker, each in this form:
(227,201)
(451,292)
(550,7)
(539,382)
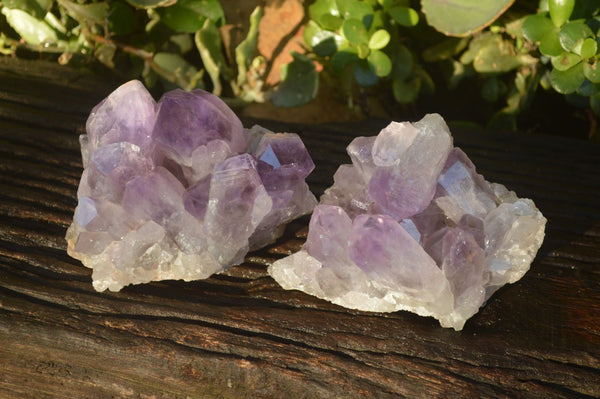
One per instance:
(238,334)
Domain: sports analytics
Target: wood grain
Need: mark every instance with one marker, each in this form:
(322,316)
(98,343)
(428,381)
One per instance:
(238,334)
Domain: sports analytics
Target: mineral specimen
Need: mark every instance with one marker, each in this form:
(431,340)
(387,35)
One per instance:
(178,189)
(410,225)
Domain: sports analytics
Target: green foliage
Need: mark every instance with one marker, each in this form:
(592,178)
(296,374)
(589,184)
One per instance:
(506,49)
(360,43)
(153,39)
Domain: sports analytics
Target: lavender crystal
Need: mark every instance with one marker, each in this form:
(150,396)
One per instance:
(179,189)
(410,225)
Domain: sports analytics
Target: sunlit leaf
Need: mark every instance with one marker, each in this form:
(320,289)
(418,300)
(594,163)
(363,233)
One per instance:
(463,17)
(31,29)
(354,9)
(565,61)
(189,15)
(322,7)
(535,27)
(208,42)
(573,33)
(592,71)
(379,40)
(244,52)
(86,13)
(588,48)
(355,31)
(560,11)
(404,16)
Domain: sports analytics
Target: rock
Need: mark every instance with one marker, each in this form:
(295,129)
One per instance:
(410,225)
(179,189)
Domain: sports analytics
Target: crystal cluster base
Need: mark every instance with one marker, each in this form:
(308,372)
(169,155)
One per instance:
(179,189)
(411,226)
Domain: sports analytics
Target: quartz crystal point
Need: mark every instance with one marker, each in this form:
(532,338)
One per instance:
(410,225)
(179,189)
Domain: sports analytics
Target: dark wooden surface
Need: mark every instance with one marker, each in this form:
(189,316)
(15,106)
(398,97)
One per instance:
(238,335)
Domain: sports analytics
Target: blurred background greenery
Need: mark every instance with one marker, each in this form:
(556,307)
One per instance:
(503,64)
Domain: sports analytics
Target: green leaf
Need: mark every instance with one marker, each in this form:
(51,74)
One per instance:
(404,16)
(342,58)
(149,3)
(479,42)
(32,30)
(588,88)
(463,17)
(120,18)
(183,41)
(363,51)
(354,9)
(573,33)
(176,70)
(86,13)
(322,7)
(355,31)
(36,8)
(364,75)
(402,62)
(445,49)
(326,43)
(379,63)
(565,61)
(246,49)
(310,30)
(300,82)
(568,81)
(592,71)
(330,22)
(406,91)
(588,49)
(560,11)
(208,42)
(535,27)
(105,54)
(189,15)
(379,40)
(550,44)
(499,55)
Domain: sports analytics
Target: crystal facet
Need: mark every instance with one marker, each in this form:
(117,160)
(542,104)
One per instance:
(410,225)
(179,189)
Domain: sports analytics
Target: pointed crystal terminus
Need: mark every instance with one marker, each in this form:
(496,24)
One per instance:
(411,225)
(179,189)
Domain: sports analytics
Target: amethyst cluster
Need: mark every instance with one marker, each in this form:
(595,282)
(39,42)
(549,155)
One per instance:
(410,225)
(179,189)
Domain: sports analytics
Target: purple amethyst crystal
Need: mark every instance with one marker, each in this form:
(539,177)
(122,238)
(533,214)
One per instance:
(410,225)
(178,189)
